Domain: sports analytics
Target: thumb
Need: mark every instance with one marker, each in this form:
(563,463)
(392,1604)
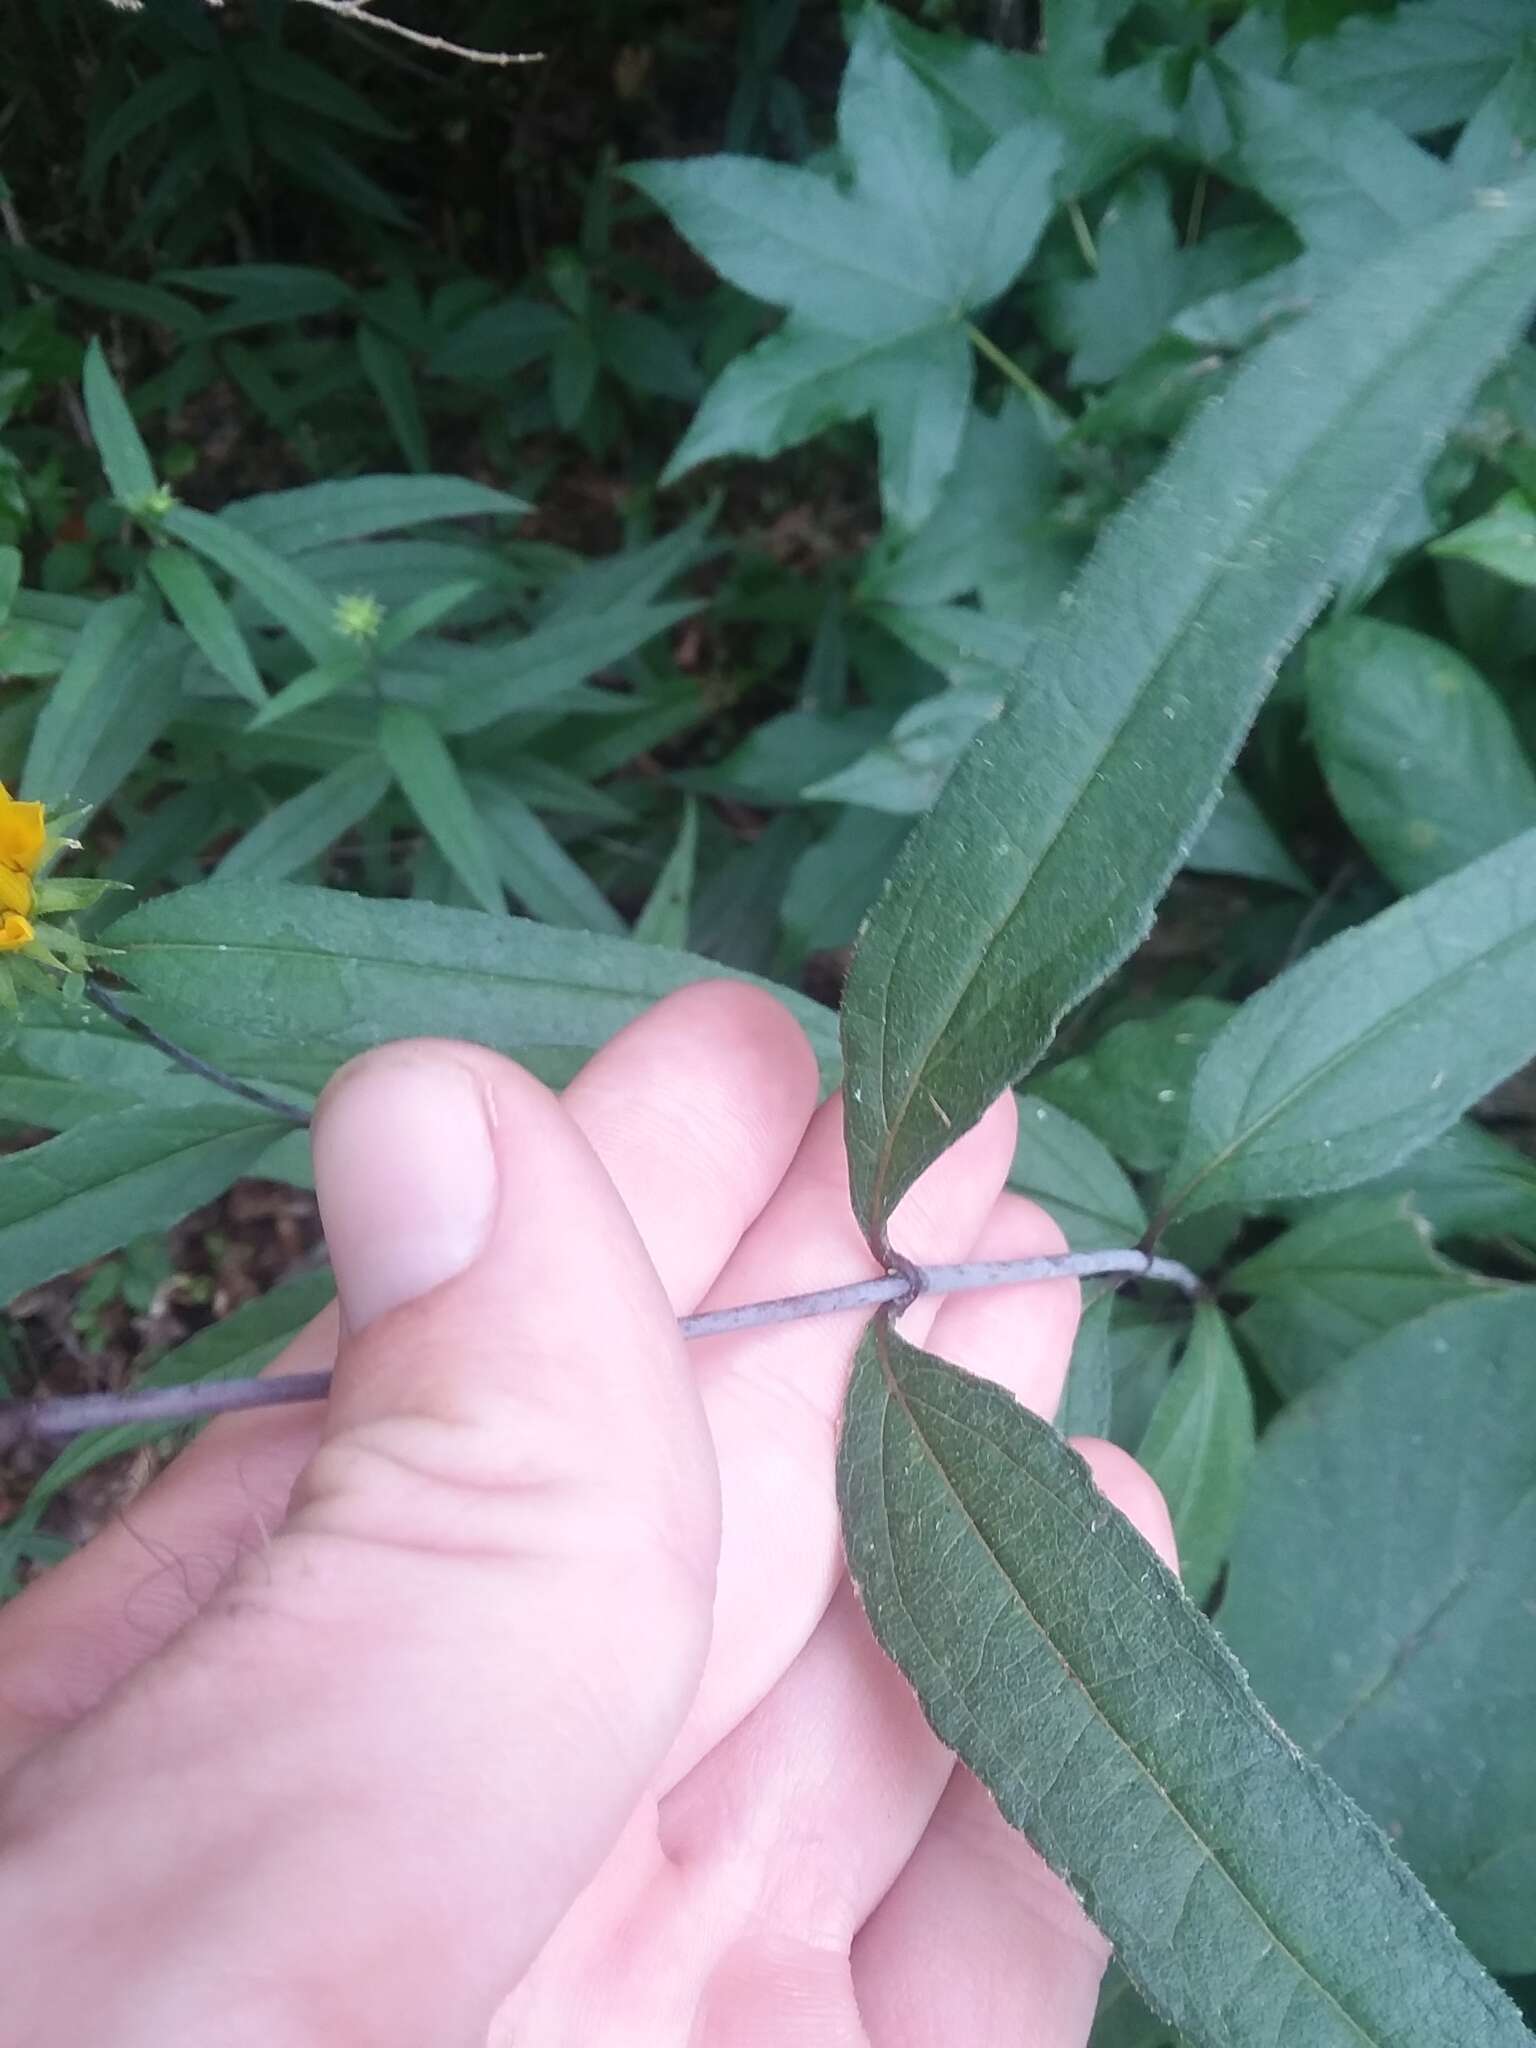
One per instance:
(514,1501)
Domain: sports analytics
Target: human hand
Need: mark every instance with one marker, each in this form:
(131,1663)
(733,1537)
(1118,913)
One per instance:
(525,1674)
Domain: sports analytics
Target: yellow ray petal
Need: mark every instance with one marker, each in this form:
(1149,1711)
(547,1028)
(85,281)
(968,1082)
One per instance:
(23,832)
(15,931)
(15,888)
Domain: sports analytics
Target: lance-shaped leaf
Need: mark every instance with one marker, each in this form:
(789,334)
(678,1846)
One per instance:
(1246,1896)
(1038,869)
(318,970)
(1198,1446)
(1370,1046)
(115,1177)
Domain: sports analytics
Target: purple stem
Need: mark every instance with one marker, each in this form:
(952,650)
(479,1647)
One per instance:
(68,1414)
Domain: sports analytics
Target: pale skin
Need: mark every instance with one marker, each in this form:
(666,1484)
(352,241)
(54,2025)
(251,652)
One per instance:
(518,1695)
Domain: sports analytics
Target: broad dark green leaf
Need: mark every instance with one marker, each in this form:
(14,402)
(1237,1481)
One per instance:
(1339,1278)
(88,1191)
(1380,1595)
(1039,868)
(1198,1448)
(332,974)
(1371,1045)
(1131,1089)
(1419,752)
(1060,1164)
(1247,1898)
(299,830)
(419,760)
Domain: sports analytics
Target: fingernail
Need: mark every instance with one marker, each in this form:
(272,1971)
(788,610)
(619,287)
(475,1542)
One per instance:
(406,1175)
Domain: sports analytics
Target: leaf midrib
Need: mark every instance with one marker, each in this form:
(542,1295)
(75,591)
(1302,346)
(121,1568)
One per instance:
(1208,1853)
(1182,632)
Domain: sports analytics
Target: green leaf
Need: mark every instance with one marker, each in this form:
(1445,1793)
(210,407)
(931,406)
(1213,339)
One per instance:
(801,380)
(1420,755)
(1425,65)
(1503,541)
(291,598)
(321,515)
(1372,1044)
(533,864)
(498,341)
(906,771)
(1496,141)
(418,758)
(548,664)
(1379,1593)
(311,686)
(388,369)
(333,973)
(306,825)
(189,591)
(1337,1279)
(1239,840)
(10,582)
(1466,1183)
(163,94)
(1086,1401)
(85,701)
(1246,1898)
(877,280)
(118,1177)
(1038,869)
(1347,180)
(287,76)
(834,882)
(1131,1089)
(1109,318)
(664,919)
(1198,1448)
(1060,1164)
(124,457)
(421,614)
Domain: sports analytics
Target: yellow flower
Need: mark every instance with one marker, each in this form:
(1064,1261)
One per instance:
(23,834)
(23,837)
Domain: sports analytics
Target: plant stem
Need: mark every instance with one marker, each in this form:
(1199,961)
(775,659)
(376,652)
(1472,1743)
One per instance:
(68,1414)
(999,358)
(108,1003)
(1083,235)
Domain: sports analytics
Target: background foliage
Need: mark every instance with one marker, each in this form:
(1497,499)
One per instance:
(493,545)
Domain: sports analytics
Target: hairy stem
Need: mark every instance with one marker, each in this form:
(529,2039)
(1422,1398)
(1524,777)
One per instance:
(105,1001)
(69,1414)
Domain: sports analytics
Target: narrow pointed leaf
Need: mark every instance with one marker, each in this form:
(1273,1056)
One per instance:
(420,762)
(1247,1898)
(281,589)
(1198,1447)
(298,831)
(1370,1046)
(331,973)
(118,441)
(189,591)
(113,1178)
(1039,868)
(664,919)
